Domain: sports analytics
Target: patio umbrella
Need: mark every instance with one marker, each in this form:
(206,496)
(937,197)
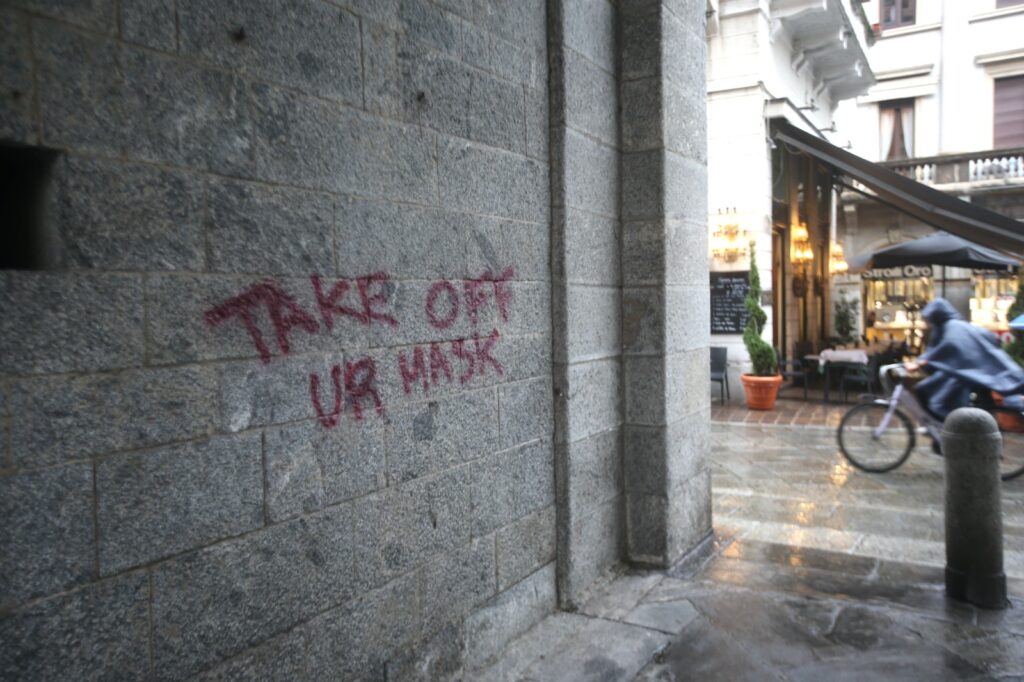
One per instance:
(940,248)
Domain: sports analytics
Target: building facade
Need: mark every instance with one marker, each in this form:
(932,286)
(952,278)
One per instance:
(342,339)
(948,111)
(792,61)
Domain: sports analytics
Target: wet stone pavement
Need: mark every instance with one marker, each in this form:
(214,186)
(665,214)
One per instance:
(815,571)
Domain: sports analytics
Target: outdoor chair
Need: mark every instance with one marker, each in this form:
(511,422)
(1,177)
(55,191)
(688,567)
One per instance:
(861,376)
(792,370)
(720,370)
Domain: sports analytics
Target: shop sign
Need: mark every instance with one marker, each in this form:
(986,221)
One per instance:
(906,272)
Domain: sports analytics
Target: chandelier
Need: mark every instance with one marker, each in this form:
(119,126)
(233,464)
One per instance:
(727,241)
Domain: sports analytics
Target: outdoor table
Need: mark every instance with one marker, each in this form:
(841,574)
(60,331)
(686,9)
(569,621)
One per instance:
(828,359)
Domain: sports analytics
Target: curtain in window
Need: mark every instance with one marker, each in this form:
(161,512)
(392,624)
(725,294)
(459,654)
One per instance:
(887,121)
(896,129)
(906,115)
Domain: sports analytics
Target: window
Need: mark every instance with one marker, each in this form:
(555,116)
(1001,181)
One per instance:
(1008,123)
(897,13)
(896,129)
(1008,3)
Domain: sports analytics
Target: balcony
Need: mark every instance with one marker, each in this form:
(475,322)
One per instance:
(976,171)
(828,40)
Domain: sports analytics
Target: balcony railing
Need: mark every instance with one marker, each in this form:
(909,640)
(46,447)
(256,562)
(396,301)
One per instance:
(977,167)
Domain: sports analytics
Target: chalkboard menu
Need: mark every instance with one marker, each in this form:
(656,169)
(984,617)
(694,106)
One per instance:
(728,312)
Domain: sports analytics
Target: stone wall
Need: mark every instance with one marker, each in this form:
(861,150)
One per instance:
(586,265)
(283,404)
(310,363)
(665,295)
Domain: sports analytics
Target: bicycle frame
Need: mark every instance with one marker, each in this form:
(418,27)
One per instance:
(900,396)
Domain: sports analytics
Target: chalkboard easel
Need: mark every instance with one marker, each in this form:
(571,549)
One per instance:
(728,311)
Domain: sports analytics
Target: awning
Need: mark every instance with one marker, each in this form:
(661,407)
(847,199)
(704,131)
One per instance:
(930,206)
(939,248)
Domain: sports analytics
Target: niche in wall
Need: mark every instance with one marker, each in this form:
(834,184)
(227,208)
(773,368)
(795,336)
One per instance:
(27,239)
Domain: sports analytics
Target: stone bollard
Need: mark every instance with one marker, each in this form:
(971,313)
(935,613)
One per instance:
(971,445)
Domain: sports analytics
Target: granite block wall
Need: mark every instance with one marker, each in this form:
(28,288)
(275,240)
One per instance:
(586,266)
(280,407)
(342,339)
(666,418)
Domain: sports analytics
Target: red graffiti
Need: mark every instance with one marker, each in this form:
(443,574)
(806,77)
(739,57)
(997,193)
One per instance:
(474,353)
(483,353)
(477,359)
(418,370)
(359,385)
(477,293)
(329,421)
(501,293)
(370,302)
(453,304)
(459,351)
(476,297)
(359,378)
(438,363)
(329,306)
(365,300)
(285,314)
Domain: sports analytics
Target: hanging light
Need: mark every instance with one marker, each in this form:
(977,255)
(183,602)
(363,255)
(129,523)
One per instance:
(800,248)
(803,253)
(727,239)
(800,233)
(838,265)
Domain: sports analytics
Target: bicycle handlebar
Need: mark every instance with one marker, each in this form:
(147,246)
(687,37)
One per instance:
(883,375)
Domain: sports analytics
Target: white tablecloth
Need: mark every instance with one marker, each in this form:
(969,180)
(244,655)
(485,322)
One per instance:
(853,355)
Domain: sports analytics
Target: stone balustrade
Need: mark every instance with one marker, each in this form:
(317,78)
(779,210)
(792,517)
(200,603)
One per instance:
(977,167)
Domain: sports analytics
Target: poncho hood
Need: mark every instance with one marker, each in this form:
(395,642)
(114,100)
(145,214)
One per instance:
(939,311)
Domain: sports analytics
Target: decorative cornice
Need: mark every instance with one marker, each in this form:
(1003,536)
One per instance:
(909,72)
(999,57)
(997,14)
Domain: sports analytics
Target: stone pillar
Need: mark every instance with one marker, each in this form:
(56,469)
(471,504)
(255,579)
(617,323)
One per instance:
(586,296)
(665,303)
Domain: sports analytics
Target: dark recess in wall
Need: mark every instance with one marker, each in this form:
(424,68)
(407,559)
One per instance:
(27,241)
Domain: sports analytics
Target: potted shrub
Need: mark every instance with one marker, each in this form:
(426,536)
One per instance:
(762,384)
(846,318)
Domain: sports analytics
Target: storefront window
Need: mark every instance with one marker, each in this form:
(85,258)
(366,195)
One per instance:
(994,293)
(893,298)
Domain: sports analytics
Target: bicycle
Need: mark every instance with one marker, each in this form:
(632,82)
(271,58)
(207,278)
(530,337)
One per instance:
(879,435)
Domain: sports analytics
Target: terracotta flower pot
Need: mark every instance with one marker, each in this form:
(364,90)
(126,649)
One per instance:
(1007,421)
(761,391)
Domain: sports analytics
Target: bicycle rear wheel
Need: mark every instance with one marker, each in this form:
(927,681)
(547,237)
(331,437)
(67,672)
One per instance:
(867,445)
(1011,427)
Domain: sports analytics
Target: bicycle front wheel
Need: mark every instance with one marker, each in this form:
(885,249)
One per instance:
(870,447)
(1011,427)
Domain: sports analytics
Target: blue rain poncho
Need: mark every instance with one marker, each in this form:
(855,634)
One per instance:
(962,359)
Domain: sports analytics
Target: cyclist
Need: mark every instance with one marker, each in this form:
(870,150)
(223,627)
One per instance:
(962,358)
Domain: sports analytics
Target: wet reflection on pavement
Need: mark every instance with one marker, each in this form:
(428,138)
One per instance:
(816,571)
(790,485)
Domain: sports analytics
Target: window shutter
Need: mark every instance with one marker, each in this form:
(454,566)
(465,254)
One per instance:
(1008,124)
